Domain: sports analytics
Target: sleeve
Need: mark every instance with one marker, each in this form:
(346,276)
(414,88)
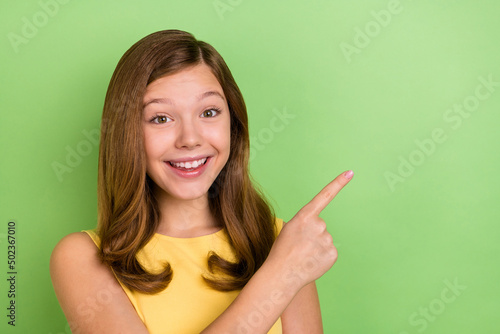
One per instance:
(278,226)
(95,238)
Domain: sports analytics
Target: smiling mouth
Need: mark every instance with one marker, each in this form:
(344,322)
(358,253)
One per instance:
(188,165)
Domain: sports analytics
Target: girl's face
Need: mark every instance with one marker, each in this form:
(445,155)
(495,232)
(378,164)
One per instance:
(186,126)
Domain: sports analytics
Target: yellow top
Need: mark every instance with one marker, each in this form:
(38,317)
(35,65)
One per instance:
(187,305)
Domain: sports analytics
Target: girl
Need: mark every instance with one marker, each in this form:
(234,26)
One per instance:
(185,243)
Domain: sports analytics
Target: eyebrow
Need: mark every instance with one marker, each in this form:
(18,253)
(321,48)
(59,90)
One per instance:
(199,98)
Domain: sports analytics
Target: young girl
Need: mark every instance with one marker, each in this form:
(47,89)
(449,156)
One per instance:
(185,243)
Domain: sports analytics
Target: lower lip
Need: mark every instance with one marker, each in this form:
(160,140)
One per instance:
(189,174)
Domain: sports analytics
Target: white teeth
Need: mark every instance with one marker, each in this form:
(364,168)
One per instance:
(190,164)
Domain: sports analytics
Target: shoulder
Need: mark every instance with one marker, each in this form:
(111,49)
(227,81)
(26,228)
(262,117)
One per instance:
(77,255)
(74,246)
(81,279)
(73,254)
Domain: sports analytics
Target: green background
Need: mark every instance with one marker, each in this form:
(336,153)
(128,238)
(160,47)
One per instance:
(401,242)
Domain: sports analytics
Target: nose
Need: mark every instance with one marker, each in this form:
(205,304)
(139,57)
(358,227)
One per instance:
(189,136)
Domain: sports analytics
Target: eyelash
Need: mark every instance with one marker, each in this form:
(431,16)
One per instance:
(217,112)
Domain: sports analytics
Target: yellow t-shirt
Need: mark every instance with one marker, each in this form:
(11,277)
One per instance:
(187,305)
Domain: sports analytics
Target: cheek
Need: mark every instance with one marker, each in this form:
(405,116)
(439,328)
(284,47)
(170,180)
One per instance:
(222,138)
(153,144)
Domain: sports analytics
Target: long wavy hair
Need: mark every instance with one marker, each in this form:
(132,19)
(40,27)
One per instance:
(128,213)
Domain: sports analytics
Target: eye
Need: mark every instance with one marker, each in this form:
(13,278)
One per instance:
(210,112)
(160,119)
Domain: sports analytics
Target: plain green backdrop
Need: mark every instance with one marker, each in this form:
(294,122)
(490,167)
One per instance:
(406,93)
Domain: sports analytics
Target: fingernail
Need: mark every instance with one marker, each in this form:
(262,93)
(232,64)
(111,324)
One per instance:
(348,175)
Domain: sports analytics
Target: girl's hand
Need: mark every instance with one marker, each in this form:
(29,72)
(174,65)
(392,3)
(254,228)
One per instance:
(304,249)
(302,252)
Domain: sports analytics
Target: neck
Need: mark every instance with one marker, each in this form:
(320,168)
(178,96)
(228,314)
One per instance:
(185,218)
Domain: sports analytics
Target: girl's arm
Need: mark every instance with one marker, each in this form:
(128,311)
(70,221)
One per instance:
(303,252)
(262,302)
(303,314)
(89,294)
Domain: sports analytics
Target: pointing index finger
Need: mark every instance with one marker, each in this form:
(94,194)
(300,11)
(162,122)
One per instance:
(327,194)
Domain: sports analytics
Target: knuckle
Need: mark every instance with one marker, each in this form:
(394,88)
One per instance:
(321,225)
(335,256)
(327,194)
(333,253)
(329,240)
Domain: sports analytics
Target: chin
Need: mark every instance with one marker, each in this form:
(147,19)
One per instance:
(187,194)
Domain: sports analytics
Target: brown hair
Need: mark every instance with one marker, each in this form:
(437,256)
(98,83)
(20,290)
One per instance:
(128,213)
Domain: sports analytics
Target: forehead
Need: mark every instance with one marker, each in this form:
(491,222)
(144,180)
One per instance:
(191,82)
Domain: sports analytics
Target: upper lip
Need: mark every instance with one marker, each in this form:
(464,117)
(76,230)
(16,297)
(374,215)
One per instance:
(187,159)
